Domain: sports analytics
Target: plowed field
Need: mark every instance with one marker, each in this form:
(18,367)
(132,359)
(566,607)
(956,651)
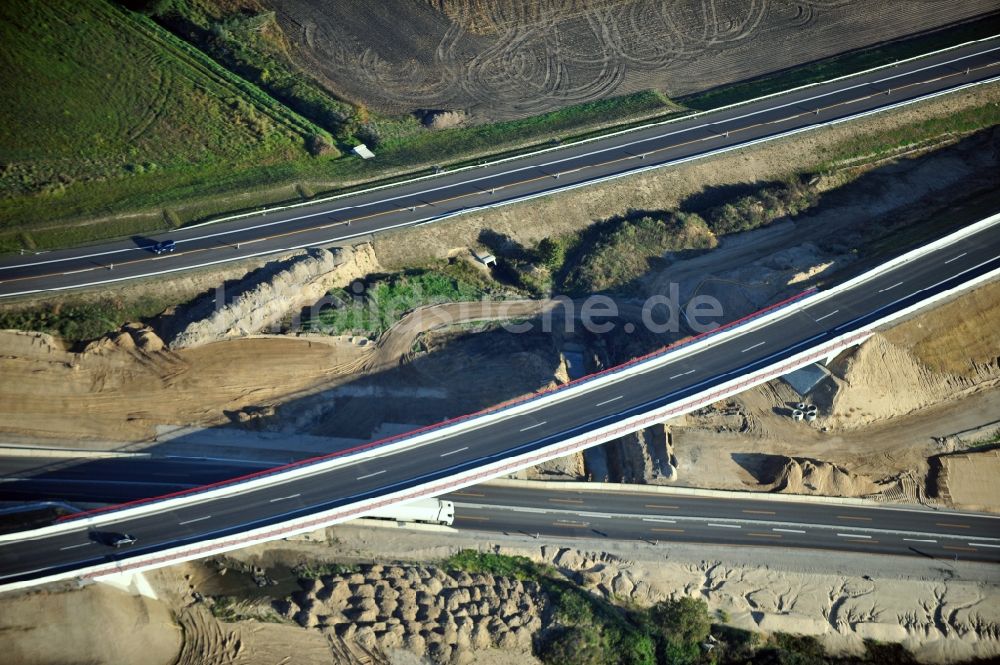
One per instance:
(503,59)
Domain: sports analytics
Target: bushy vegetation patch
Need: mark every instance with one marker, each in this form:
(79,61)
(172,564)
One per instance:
(761,207)
(386,299)
(81,320)
(611,255)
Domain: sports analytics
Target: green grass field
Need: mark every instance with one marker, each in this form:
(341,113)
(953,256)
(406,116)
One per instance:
(102,108)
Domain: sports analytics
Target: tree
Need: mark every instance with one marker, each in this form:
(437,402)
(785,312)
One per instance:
(682,625)
(319,145)
(550,253)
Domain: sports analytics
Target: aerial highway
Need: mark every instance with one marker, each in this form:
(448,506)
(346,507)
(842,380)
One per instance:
(452,456)
(623,515)
(427,199)
(615,513)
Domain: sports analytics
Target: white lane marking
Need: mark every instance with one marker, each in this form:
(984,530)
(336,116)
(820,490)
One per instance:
(955,258)
(657,519)
(73,547)
(197,519)
(528,510)
(604,516)
(853,535)
(525,429)
(452,452)
(789,530)
(751,348)
(827,315)
(371,475)
(609,401)
(983,545)
(890,288)
(919,540)
(726,526)
(690,371)
(282,498)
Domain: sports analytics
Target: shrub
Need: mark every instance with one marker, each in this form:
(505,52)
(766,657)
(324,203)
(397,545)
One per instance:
(682,625)
(792,650)
(550,253)
(388,299)
(574,645)
(760,208)
(503,565)
(319,146)
(616,252)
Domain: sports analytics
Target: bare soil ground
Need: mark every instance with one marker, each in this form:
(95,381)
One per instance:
(119,392)
(511,59)
(126,386)
(970,480)
(886,410)
(96,624)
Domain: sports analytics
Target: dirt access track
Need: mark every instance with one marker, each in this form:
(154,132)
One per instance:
(503,59)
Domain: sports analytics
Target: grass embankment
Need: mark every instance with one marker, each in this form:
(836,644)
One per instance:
(106,111)
(588,630)
(385,299)
(869,147)
(842,65)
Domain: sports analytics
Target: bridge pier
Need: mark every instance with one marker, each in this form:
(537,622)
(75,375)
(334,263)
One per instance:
(135,584)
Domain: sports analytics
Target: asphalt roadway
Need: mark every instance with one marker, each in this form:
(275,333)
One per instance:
(582,410)
(429,199)
(660,518)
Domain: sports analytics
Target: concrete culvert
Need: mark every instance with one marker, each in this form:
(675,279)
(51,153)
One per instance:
(797,414)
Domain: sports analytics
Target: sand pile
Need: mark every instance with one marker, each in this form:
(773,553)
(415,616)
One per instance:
(35,345)
(969,480)
(263,303)
(444,615)
(881,380)
(809,476)
(131,337)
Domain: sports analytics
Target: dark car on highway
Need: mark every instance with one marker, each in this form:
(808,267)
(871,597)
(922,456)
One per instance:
(164,246)
(113,538)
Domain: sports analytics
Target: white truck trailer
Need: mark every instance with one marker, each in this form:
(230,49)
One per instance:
(427,511)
